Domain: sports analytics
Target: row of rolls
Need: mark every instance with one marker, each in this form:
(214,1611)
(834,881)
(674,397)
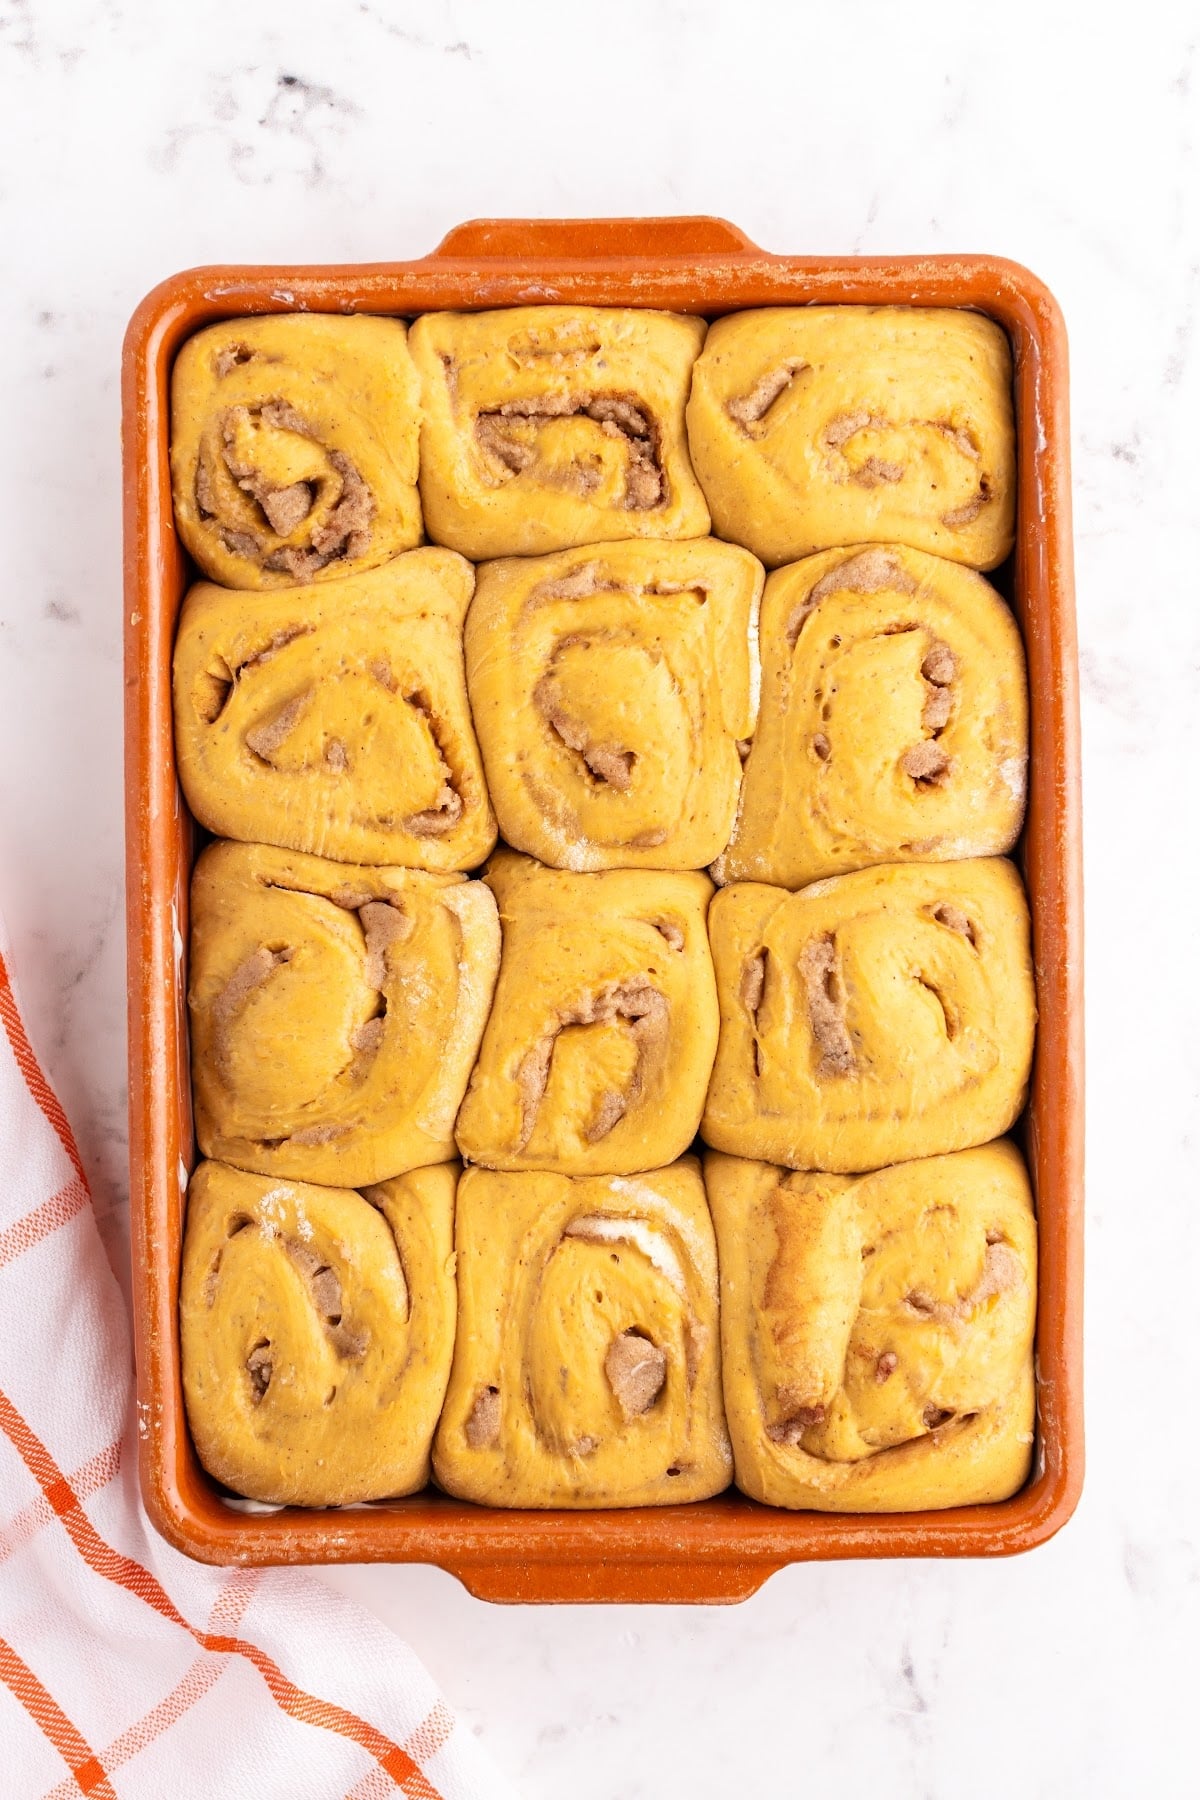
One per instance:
(350,1023)
(646,704)
(540,1340)
(752,883)
(305,446)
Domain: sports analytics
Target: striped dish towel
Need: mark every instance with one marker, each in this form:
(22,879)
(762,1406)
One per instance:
(125,1669)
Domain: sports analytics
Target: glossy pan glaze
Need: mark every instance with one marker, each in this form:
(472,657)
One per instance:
(717,1550)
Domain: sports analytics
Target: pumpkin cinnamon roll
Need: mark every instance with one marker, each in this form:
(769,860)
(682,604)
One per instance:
(547,426)
(894,720)
(334,719)
(601,1039)
(611,687)
(872,1017)
(813,426)
(336,1010)
(294,446)
(587,1363)
(317,1328)
(877,1333)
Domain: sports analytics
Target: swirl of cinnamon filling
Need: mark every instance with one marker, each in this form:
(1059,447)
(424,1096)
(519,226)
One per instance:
(294,448)
(893,725)
(601,1037)
(556,425)
(334,719)
(317,1326)
(336,1011)
(829,425)
(878,1330)
(871,1017)
(611,687)
(586,1371)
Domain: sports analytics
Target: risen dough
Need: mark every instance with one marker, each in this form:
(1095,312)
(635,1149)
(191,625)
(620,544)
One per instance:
(872,1017)
(610,688)
(334,719)
(546,426)
(336,1011)
(294,444)
(587,1368)
(601,1038)
(877,1332)
(893,724)
(317,1329)
(816,426)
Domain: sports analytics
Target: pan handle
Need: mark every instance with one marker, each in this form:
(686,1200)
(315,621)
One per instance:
(588,240)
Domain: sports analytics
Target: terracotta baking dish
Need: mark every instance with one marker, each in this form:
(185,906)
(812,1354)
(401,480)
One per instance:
(723,1549)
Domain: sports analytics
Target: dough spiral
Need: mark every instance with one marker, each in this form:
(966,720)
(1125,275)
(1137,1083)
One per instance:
(317,1331)
(334,719)
(336,1011)
(604,1026)
(294,447)
(547,426)
(587,1367)
(873,1017)
(893,724)
(878,1331)
(816,426)
(610,688)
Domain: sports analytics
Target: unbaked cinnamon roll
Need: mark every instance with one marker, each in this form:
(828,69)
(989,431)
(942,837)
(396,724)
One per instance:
(893,724)
(587,1369)
(294,447)
(317,1328)
(547,426)
(814,426)
(601,1039)
(872,1017)
(334,719)
(336,1010)
(611,687)
(877,1332)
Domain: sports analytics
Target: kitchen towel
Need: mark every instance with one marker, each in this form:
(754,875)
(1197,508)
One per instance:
(127,1670)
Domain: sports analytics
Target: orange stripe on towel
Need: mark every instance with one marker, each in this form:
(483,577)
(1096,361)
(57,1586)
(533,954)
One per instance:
(43,1220)
(86,1771)
(28,1064)
(125,1572)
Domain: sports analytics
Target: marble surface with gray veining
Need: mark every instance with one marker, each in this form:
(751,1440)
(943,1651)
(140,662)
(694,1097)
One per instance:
(139,138)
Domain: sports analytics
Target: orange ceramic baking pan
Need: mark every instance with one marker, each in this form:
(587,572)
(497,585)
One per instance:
(722,1549)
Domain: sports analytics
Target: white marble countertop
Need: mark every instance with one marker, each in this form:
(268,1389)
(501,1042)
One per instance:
(141,138)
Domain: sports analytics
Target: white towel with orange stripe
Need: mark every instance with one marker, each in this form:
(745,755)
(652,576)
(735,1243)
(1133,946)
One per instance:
(125,1669)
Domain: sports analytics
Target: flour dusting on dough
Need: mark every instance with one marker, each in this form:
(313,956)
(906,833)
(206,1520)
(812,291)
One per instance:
(604,1229)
